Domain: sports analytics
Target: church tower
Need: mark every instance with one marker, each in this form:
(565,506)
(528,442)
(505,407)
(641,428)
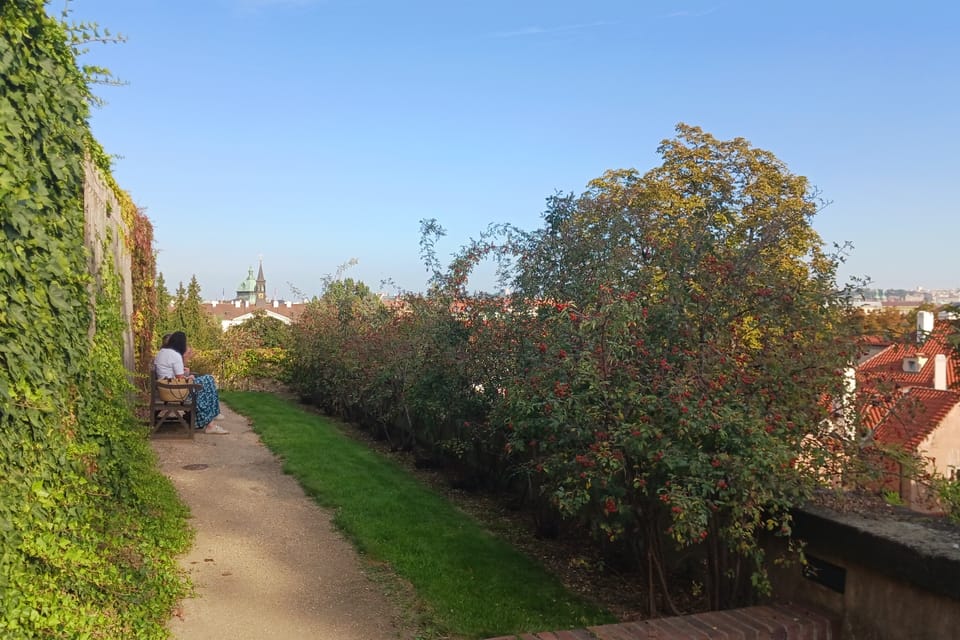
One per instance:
(246,290)
(261,286)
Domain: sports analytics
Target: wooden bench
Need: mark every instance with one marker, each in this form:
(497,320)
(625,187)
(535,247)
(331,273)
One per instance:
(180,413)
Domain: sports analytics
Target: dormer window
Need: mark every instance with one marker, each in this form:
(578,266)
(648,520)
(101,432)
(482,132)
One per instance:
(913,364)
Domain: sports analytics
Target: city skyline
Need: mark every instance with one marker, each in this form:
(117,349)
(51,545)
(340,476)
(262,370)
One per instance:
(284,292)
(316,132)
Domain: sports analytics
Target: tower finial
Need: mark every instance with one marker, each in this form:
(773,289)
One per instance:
(261,287)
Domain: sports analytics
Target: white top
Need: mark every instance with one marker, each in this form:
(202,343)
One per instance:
(168,364)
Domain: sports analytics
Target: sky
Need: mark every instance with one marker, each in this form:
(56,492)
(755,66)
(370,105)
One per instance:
(318,132)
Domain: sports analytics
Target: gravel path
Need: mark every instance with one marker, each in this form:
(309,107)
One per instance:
(266,561)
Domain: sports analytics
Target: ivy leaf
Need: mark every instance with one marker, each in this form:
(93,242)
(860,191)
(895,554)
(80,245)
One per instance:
(58,297)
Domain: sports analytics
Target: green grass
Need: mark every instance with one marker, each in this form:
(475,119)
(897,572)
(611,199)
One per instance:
(473,584)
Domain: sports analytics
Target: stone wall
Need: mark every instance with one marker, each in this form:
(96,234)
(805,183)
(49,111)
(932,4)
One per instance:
(103,220)
(885,577)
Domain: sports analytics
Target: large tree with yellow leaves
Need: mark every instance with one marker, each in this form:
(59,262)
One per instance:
(675,390)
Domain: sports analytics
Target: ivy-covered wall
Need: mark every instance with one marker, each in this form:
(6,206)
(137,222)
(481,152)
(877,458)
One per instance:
(105,231)
(88,528)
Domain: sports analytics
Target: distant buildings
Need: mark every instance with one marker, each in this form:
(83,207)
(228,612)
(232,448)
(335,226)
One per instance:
(252,297)
(904,299)
(911,401)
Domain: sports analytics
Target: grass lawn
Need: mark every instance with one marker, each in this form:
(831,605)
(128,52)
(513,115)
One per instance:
(473,584)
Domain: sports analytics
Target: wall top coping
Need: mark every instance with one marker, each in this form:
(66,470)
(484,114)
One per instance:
(921,550)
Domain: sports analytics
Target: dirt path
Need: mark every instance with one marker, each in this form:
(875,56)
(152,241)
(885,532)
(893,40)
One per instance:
(266,562)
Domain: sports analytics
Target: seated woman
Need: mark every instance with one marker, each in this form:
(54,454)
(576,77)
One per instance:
(169,364)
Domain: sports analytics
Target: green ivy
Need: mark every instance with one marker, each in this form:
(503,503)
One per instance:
(88,528)
(949,493)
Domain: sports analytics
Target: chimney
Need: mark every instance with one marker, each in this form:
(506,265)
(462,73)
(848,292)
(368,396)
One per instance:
(844,407)
(213,304)
(236,304)
(924,325)
(940,372)
(289,304)
(276,303)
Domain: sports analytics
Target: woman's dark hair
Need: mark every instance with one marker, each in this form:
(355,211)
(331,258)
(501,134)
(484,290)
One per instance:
(165,341)
(178,342)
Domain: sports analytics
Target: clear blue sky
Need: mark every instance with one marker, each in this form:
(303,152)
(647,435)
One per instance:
(316,131)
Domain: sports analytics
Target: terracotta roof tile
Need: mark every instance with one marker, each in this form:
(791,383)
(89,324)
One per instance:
(915,416)
(888,364)
(905,408)
(875,411)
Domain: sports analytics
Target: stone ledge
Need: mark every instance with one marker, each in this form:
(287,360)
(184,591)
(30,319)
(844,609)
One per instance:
(912,551)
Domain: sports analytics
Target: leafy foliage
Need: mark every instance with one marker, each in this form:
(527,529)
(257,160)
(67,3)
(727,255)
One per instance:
(695,331)
(163,322)
(887,323)
(261,331)
(949,494)
(659,376)
(247,355)
(186,314)
(88,528)
(144,286)
(347,291)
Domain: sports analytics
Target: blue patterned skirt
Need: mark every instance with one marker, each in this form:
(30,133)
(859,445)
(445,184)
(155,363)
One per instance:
(208,400)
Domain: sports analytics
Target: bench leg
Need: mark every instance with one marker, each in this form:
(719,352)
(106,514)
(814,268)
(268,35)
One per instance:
(183,415)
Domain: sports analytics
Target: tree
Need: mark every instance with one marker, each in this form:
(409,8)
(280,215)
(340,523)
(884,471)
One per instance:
(689,329)
(187,314)
(347,288)
(888,323)
(203,329)
(350,297)
(262,331)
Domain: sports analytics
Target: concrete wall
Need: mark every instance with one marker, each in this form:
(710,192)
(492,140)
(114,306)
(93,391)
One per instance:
(103,221)
(885,579)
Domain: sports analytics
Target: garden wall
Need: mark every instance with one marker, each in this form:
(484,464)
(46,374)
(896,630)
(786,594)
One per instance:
(867,578)
(103,221)
(885,578)
(89,528)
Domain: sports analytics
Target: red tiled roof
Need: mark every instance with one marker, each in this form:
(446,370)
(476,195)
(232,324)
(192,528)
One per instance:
(227,310)
(904,407)
(878,408)
(888,364)
(904,304)
(915,416)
